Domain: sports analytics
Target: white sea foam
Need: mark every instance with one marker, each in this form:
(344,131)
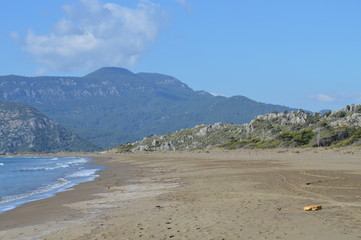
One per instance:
(84,173)
(68,172)
(71,163)
(60,183)
(77,161)
(45,168)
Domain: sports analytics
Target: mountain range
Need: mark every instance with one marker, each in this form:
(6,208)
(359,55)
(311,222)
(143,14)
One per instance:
(112,105)
(25,129)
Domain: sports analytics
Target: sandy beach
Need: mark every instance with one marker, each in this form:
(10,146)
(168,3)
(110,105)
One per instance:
(243,194)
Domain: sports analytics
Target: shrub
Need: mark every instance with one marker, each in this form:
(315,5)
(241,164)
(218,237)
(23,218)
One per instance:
(340,114)
(241,144)
(358,109)
(124,148)
(322,124)
(285,136)
(300,138)
(326,114)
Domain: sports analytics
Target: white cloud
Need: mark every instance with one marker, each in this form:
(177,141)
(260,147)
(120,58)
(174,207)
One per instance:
(95,34)
(185,4)
(323,98)
(14,35)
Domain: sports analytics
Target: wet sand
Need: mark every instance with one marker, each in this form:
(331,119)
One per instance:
(245,194)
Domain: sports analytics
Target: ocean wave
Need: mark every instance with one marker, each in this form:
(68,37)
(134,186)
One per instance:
(45,168)
(67,164)
(84,173)
(60,183)
(77,161)
(69,172)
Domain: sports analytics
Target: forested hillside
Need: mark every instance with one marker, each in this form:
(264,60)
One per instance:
(113,105)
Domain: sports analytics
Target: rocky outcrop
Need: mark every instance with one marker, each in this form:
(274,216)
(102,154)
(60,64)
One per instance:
(24,129)
(204,130)
(294,129)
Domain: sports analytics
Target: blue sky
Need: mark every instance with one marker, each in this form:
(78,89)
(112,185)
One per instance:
(301,53)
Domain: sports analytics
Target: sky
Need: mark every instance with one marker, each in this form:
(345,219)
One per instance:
(304,54)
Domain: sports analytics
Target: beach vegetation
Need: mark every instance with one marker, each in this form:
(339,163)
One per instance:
(327,114)
(299,138)
(283,130)
(124,147)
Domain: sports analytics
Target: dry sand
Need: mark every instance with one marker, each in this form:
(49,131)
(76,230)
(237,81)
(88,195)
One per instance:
(246,194)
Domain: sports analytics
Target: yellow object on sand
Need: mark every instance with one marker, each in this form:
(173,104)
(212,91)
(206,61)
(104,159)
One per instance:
(312,208)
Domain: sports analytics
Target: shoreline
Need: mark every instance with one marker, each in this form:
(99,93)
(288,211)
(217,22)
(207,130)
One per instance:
(52,208)
(46,189)
(240,194)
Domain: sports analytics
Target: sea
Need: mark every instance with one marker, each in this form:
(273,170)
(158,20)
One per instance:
(26,179)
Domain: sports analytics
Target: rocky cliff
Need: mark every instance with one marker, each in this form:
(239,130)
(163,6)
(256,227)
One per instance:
(25,129)
(294,129)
